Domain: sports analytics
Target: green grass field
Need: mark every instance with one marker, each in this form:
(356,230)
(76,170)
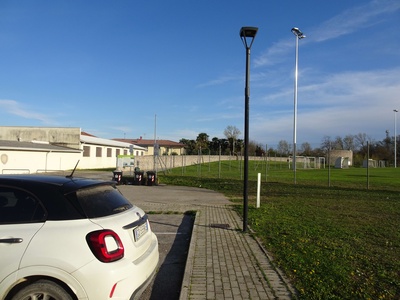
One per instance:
(336,233)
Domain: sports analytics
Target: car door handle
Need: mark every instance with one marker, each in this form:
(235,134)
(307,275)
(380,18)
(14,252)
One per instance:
(11,241)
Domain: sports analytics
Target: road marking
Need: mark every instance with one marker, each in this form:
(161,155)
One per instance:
(175,233)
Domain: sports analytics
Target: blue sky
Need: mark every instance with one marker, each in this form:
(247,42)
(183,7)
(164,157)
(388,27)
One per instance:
(113,68)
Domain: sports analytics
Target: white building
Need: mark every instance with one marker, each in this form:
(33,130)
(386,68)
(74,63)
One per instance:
(41,149)
(97,151)
(32,157)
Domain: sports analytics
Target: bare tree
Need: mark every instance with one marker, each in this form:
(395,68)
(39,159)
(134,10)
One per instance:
(305,149)
(348,142)
(284,147)
(338,143)
(231,133)
(361,140)
(326,143)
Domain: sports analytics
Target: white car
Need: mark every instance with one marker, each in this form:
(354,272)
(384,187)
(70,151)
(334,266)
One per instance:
(72,238)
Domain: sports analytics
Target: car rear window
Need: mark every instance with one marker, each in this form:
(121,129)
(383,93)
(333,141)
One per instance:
(101,201)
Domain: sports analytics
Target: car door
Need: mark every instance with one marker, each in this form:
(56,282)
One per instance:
(21,216)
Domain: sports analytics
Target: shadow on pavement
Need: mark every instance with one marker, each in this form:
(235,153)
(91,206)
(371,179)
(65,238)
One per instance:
(174,241)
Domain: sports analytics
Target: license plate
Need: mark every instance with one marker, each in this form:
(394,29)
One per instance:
(140,231)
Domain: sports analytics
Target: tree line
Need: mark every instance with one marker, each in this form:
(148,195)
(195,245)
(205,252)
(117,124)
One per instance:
(361,144)
(230,145)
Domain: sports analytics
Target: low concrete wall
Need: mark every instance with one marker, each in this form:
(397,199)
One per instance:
(148,163)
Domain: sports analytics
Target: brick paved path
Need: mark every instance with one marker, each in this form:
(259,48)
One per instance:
(227,263)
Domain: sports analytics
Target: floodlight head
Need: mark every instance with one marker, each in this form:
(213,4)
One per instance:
(248,32)
(298,33)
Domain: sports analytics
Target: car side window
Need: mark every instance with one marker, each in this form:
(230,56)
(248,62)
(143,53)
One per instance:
(18,206)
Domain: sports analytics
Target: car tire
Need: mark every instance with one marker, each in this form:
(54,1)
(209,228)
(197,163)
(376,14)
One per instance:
(42,289)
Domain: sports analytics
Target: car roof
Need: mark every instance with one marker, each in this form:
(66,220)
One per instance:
(66,184)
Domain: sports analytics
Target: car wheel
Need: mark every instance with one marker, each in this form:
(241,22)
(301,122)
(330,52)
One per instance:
(42,289)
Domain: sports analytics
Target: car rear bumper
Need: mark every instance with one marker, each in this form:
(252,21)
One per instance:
(121,279)
(136,295)
(148,267)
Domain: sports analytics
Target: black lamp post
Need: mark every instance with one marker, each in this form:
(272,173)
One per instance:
(247,34)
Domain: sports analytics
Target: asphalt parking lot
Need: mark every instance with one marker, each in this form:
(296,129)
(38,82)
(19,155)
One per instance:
(173,232)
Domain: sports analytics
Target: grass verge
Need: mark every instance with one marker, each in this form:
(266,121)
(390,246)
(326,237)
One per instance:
(337,242)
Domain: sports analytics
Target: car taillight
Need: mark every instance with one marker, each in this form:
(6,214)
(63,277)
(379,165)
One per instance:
(105,245)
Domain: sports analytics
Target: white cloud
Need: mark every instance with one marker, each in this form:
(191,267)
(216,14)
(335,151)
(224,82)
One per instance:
(353,89)
(352,20)
(274,54)
(17,109)
(336,105)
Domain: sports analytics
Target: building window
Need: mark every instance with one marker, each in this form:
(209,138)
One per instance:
(125,152)
(109,152)
(98,151)
(118,152)
(86,151)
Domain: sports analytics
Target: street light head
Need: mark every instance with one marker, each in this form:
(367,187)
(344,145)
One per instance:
(248,32)
(298,33)
(395,110)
